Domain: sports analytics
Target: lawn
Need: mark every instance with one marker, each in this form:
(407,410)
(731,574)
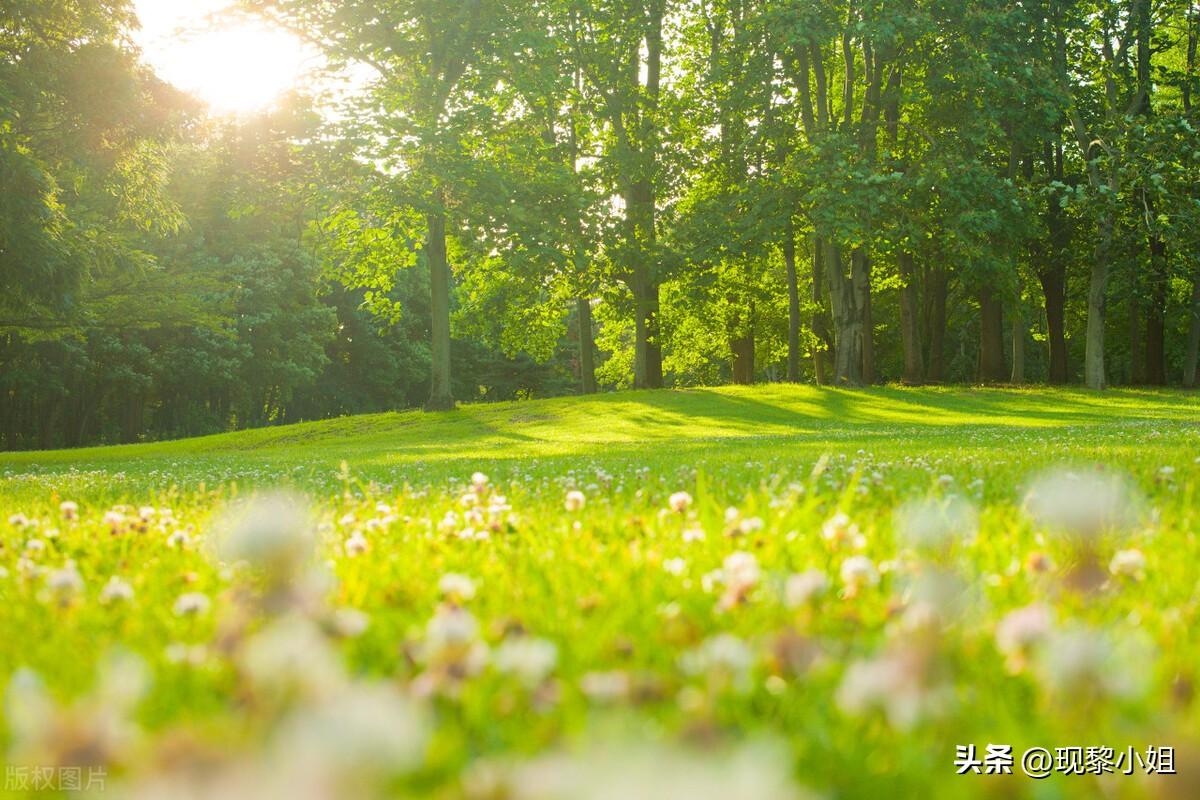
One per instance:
(741,593)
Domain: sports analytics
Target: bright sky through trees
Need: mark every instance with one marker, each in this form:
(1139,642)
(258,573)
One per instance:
(235,66)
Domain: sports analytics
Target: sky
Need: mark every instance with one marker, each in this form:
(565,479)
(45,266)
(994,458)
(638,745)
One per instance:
(236,66)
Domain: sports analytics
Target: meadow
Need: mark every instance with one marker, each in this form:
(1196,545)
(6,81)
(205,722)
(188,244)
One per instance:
(776,592)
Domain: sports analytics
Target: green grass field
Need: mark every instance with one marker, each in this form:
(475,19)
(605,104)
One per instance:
(738,593)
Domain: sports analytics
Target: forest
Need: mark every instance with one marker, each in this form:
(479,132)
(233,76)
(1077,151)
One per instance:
(510,199)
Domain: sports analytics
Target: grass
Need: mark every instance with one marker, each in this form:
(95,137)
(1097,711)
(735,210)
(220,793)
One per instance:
(624,633)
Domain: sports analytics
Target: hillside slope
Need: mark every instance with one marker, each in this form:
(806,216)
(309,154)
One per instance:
(636,422)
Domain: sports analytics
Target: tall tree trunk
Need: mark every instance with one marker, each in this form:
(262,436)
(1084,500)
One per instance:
(991,337)
(1156,310)
(441,397)
(1019,331)
(1054,289)
(587,348)
(1192,356)
(910,331)
(936,286)
(860,277)
(743,359)
(789,260)
(847,321)
(821,323)
(1093,359)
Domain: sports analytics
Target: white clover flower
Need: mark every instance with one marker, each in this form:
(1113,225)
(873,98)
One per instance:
(291,654)
(1128,563)
(1088,662)
(179,538)
(356,544)
(805,587)
(271,532)
(1020,631)
(650,770)
(839,531)
(116,591)
(479,481)
(451,627)
(898,683)
(859,572)
(19,521)
(114,520)
(675,566)
(724,657)
(65,583)
(192,604)
(693,533)
(679,502)
(350,623)
(936,523)
(530,659)
(69,509)
(1082,504)
(740,571)
(458,588)
(358,730)
(575,501)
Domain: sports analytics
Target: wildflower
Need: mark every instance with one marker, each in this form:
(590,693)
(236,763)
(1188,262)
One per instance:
(1081,504)
(179,538)
(901,682)
(693,533)
(805,587)
(740,573)
(1128,563)
(69,509)
(192,604)
(675,566)
(530,659)
(356,544)
(456,588)
(724,658)
(857,573)
(19,521)
(839,531)
(934,524)
(114,520)
(479,481)
(1020,631)
(116,590)
(64,584)
(1083,662)
(606,687)
(349,623)
(679,502)
(575,500)
(355,730)
(272,532)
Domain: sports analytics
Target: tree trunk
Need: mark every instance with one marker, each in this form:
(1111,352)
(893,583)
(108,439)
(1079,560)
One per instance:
(743,359)
(587,349)
(1093,359)
(1156,356)
(991,338)
(820,322)
(936,290)
(910,332)
(1192,356)
(1054,289)
(789,260)
(441,397)
(847,321)
(1018,347)
(860,277)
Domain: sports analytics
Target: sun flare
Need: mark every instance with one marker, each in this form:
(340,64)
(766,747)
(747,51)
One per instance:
(233,66)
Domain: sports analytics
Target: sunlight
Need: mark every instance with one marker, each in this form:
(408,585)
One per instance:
(234,67)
